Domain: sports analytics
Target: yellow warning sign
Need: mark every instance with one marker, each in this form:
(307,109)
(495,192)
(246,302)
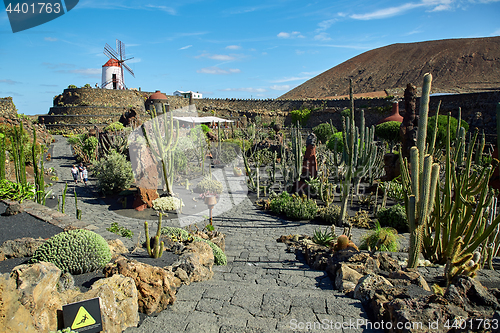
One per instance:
(82,319)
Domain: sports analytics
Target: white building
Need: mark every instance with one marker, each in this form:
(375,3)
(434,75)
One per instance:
(185,94)
(112,75)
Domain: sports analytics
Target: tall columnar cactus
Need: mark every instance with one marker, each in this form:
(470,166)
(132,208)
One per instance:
(2,156)
(360,154)
(40,195)
(462,221)
(158,246)
(296,150)
(17,140)
(162,140)
(449,222)
(419,180)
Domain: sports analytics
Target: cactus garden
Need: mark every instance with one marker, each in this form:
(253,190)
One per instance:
(387,207)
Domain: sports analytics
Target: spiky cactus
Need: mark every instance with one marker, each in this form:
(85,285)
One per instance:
(296,138)
(162,141)
(158,246)
(360,154)
(419,180)
(2,156)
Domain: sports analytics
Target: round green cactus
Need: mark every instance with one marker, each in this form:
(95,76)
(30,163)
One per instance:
(74,251)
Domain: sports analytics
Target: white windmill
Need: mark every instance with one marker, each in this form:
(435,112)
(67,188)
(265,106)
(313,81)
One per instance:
(112,70)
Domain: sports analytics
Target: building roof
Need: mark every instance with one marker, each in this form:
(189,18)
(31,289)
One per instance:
(158,95)
(112,62)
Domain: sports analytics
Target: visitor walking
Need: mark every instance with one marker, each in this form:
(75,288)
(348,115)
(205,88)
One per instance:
(80,171)
(85,175)
(74,172)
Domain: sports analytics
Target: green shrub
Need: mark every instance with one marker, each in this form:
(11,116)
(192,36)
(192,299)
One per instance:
(72,86)
(87,85)
(84,146)
(301,208)
(389,239)
(330,214)
(394,217)
(389,131)
(301,116)
(205,128)
(340,142)
(113,173)
(443,128)
(113,127)
(75,251)
(278,203)
(324,132)
(219,255)
(346,113)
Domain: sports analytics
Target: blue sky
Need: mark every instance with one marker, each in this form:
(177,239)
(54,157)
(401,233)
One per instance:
(223,49)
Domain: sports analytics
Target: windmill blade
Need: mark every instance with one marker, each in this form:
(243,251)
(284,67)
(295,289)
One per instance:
(108,50)
(128,69)
(120,48)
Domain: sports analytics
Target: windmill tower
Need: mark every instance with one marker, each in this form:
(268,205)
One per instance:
(112,70)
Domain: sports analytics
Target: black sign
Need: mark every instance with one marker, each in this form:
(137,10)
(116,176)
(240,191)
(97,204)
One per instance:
(83,317)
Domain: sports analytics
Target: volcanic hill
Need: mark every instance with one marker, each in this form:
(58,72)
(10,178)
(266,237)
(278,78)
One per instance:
(457,66)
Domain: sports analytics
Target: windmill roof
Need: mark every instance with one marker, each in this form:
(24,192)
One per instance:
(112,62)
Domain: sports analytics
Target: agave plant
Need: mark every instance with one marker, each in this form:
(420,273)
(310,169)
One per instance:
(323,237)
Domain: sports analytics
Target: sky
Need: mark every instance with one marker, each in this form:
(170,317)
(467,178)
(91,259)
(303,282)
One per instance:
(222,49)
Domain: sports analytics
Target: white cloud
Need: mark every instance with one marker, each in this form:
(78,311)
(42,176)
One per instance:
(185,47)
(220,57)
(324,25)
(288,79)
(293,34)
(9,82)
(300,52)
(50,39)
(218,71)
(250,90)
(386,12)
(86,72)
(436,5)
(282,87)
(233,47)
(169,10)
(496,33)
(322,36)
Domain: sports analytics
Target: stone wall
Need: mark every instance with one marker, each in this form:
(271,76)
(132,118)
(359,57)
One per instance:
(77,106)
(7,107)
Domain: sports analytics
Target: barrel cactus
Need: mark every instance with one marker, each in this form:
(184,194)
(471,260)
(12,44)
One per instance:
(74,251)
